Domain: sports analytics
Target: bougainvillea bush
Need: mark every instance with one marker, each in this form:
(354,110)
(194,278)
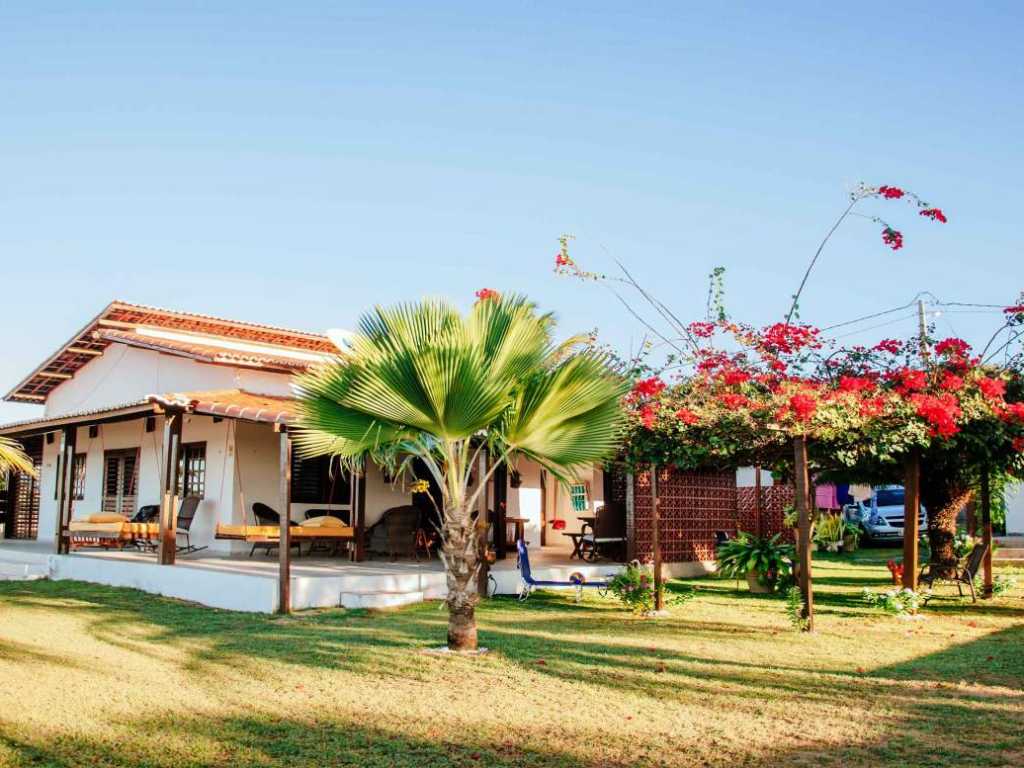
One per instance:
(863,409)
(730,394)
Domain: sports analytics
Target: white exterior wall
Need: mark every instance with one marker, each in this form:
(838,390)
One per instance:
(1015,509)
(745,478)
(525,501)
(216,506)
(124,374)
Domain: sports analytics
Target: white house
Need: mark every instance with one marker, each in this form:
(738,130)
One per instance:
(137,384)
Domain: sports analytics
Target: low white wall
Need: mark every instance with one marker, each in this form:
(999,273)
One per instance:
(217,589)
(1015,509)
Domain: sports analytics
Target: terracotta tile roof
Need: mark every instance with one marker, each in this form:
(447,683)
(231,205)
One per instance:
(118,315)
(232,404)
(207,353)
(49,423)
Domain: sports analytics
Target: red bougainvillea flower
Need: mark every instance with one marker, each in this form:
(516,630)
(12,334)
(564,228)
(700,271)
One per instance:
(649,415)
(909,380)
(950,382)
(992,389)
(702,330)
(856,384)
(561,260)
(893,238)
(733,401)
(487,294)
(1017,309)
(687,416)
(734,376)
(787,338)
(1018,444)
(892,346)
(651,387)
(1014,412)
(952,347)
(871,407)
(935,214)
(891,193)
(940,411)
(803,406)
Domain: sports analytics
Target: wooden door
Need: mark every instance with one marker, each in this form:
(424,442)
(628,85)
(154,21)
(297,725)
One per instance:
(120,481)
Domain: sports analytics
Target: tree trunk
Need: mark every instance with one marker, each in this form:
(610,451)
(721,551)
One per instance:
(461,559)
(943,496)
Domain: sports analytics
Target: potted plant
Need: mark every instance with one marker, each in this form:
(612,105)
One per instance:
(851,536)
(762,560)
(829,532)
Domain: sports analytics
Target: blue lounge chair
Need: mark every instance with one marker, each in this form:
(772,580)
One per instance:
(528,584)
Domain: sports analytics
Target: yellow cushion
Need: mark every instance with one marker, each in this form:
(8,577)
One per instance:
(324,521)
(106,517)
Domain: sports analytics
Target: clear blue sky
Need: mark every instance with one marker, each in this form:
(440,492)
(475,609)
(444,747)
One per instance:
(294,163)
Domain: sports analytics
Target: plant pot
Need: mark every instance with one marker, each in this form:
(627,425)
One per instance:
(756,587)
(850,543)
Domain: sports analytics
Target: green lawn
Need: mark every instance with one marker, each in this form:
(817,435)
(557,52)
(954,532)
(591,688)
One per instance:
(100,676)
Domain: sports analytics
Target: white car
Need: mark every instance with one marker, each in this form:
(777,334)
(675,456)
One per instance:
(881,516)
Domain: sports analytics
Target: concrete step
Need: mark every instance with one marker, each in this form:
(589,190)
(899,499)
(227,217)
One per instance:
(1009,552)
(380,599)
(1017,562)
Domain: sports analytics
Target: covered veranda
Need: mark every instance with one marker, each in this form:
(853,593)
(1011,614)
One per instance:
(256,464)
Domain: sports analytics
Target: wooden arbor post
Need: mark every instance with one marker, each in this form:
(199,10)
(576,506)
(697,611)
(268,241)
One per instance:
(357,504)
(482,508)
(500,505)
(64,489)
(659,597)
(167,544)
(284,545)
(803,485)
(986,531)
(911,510)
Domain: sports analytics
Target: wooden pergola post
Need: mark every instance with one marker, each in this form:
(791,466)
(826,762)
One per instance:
(284,549)
(803,485)
(65,490)
(659,598)
(499,504)
(482,509)
(911,510)
(986,532)
(167,543)
(358,513)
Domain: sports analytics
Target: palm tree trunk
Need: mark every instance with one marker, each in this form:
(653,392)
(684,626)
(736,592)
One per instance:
(461,562)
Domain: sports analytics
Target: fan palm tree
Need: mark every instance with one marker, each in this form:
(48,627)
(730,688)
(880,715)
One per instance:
(421,381)
(13,458)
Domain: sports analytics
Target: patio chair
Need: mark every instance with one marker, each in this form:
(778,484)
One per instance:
(608,533)
(395,533)
(186,514)
(528,584)
(961,576)
(267,516)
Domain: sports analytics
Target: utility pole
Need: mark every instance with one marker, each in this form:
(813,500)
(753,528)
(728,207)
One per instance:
(922,325)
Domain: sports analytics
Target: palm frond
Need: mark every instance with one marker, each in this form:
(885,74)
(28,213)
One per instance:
(13,458)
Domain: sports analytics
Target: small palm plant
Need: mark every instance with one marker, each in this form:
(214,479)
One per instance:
(421,381)
(13,458)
